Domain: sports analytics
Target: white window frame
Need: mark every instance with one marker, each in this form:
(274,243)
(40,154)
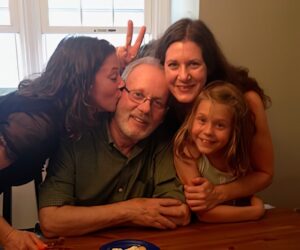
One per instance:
(90,29)
(28,20)
(157,19)
(14,26)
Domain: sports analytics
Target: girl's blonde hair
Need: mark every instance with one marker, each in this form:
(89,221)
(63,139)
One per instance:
(238,150)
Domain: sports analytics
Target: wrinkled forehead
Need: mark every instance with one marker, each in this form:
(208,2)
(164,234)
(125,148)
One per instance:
(148,78)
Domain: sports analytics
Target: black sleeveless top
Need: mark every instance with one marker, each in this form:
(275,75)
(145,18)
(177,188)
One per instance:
(30,129)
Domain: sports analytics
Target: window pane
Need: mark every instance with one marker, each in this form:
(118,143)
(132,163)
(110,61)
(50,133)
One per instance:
(64,13)
(95,12)
(64,4)
(50,41)
(4,13)
(96,4)
(121,18)
(129,8)
(9,77)
(97,18)
(64,17)
(129,4)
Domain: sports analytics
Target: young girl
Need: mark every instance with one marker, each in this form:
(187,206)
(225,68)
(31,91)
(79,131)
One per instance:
(221,127)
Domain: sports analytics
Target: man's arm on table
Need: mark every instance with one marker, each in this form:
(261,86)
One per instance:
(76,220)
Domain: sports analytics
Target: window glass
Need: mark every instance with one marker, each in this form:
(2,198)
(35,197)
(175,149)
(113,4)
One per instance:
(51,41)
(97,18)
(97,13)
(64,13)
(59,18)
(130,8)
(9,61)
(105,13)
(4,13)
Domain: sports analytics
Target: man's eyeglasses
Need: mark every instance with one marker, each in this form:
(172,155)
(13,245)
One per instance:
(137,96)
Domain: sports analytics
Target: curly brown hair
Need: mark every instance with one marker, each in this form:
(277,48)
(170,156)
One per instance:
(68,77)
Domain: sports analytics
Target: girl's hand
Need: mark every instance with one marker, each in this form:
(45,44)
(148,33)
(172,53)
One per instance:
(127,53)
(258,204)
(201,195)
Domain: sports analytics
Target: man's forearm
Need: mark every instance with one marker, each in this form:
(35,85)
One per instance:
(149,212)
(76,220)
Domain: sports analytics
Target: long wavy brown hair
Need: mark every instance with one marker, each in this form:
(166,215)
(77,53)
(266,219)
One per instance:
(67,80)
(218,68)
(237,151)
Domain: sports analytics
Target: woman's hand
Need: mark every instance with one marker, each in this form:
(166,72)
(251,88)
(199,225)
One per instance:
(17,240)
(128,52)
(201,195)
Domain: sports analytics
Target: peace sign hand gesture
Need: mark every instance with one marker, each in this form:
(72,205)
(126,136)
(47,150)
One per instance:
(128,52)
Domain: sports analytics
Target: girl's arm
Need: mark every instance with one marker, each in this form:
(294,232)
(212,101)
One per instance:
(227,213)
(262,157)
(186,169)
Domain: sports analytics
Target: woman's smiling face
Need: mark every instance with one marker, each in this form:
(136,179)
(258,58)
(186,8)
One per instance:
(185,70)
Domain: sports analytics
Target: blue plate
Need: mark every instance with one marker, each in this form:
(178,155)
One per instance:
(129,243)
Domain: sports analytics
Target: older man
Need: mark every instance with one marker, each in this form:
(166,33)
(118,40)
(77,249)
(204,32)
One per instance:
(120,173)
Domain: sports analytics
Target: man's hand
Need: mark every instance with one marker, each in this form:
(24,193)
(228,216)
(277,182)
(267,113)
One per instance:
(162,213)
(19,240)
(128,52)
(201,196)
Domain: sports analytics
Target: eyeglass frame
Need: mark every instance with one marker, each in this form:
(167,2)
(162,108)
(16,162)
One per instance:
(159,106)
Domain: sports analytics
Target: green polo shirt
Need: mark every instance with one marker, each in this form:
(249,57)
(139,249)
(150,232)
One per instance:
(92,171)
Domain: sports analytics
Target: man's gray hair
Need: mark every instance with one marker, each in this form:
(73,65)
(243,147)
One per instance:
(144,60)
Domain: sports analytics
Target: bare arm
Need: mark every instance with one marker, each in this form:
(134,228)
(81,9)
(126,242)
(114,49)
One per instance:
(12,239)
(262,157)
(186,169)
(160,213)
(227,213)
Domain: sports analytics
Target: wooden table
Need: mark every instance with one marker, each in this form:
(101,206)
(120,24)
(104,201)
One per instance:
(279,229)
